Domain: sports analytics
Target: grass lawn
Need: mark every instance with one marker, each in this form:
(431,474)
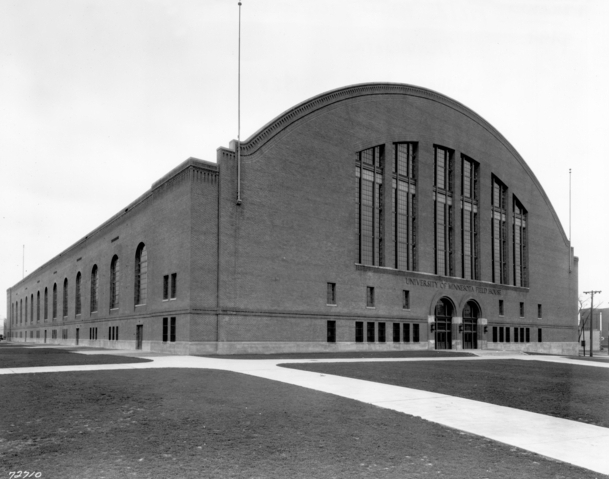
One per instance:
(561,390)
(188,423)
(17,356)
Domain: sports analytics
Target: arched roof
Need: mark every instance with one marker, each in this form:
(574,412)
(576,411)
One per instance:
(332,97)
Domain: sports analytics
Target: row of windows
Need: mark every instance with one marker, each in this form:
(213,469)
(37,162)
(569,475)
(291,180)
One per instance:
(370,215)
(371,303)
(140,287)
(401,332)
(503,334)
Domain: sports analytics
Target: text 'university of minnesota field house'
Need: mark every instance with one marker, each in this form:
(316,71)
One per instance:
(372,217)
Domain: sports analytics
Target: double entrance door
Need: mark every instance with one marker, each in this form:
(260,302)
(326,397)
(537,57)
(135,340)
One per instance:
(443,325)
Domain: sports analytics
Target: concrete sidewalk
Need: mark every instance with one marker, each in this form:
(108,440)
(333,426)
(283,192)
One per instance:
(564,440)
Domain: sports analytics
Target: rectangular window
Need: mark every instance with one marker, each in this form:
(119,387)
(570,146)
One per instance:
(406,299)
(495,337)
(415,333)
(369,166)
(165,329)
(501,334)
(406,332)
(396,332)
(515,335)
(166,286)
(519,243)
(370,296)
(470,247)
(528,335)
(522,339)
(501,310)
(539,335)
(370,336)
(382,335)
(403,205)
(359,331)
(443,211)
(539,311)
(331,330)
(507,334)
(331,293)
(172,330)
(522,310)
(174,285)
(499,231)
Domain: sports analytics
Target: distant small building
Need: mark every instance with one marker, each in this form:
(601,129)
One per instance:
(600,327)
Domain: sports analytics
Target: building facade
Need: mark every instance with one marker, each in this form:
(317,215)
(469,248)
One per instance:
(372,217)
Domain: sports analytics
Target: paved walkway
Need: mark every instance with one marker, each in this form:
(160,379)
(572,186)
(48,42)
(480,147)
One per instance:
(583,445)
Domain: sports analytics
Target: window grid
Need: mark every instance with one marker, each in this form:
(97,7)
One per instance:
(166,286)
(331,331)
(114,283)
(38,307)
(443,211)
(406,299)
(519,240)
(501,308)
(165,329)
(369,203)
(331,293)
(55,301)
(522,310)
(65,298)
(470,245)
(141,274)
(94,288)
(404,231)
(172,330)
(174,285)
(370,337)
(370,297)
(415,333)
(382,332)
(78,305)
(499,232)
(359,331)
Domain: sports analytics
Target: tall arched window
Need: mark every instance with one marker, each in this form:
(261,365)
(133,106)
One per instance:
(77,302)
(141,274)
(21,311)
(94,288)
(46,303)
(55,301)
(26,309)
(65,297)
(114,282)
(32,308)
(38,307)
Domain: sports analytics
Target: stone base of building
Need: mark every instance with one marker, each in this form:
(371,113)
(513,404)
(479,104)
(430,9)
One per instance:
(230,348)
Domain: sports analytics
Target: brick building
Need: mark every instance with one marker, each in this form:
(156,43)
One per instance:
(372,217)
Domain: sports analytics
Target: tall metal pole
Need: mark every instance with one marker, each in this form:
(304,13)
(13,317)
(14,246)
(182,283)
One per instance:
(239,113)
(570,253)
(591,319)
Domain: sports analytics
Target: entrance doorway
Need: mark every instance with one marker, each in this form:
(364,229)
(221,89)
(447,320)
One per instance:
(443,321)
(139,336)
(471,312)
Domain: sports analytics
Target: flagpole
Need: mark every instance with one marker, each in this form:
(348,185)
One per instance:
(239,113)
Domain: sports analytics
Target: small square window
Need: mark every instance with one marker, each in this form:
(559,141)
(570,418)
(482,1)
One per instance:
(371,336)
(406,299)
(396,332)
(166,286)
(331,293)
(522,310)
(331,330)
(370,297)
(406,332)
(539,311)
(174,285)
(501,310)
(381,332)
(359,331)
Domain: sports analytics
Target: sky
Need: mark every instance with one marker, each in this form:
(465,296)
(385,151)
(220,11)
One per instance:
(100,98)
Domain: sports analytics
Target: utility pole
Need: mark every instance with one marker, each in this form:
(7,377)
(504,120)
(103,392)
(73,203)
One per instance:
(591,293)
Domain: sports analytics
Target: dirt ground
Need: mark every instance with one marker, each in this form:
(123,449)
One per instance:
(212,424)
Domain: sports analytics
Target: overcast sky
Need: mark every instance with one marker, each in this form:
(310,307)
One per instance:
(100,98)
